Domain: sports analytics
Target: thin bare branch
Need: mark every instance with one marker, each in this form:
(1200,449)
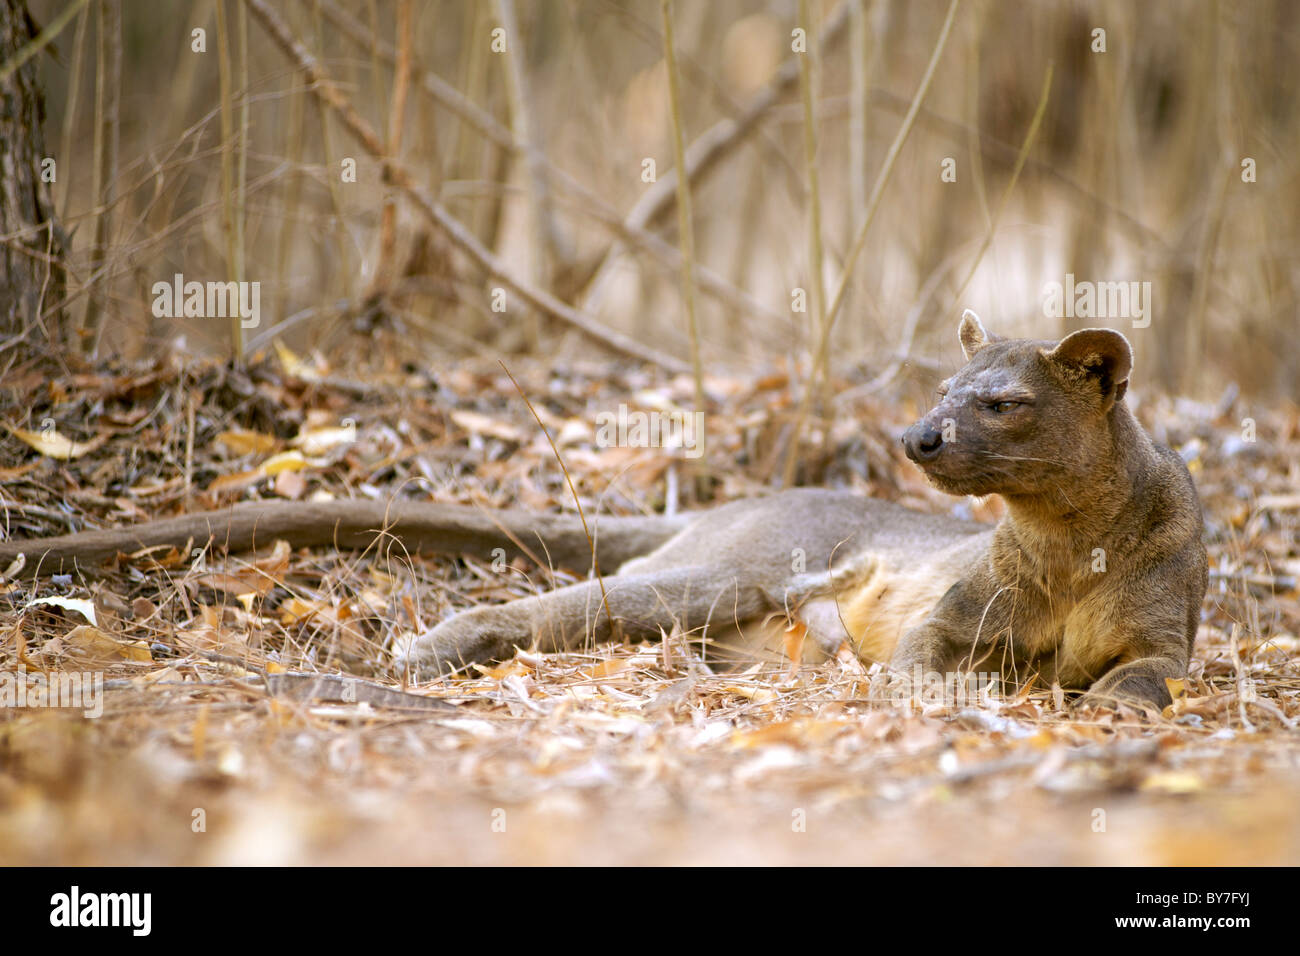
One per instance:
(397,173)
(486,125)
(711,147)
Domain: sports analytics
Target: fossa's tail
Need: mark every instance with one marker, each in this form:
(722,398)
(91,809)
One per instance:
(549,539)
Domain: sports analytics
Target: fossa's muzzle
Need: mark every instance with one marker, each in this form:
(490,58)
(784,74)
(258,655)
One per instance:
(922,442)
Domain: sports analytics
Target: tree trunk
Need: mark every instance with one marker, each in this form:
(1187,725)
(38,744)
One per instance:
(31,247)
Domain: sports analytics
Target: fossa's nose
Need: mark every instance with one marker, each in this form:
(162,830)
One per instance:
(922,443)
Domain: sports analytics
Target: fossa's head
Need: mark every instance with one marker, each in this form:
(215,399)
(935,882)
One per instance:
(1023,416)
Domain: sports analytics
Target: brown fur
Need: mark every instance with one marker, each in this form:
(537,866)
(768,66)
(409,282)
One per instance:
(1096,575)
(1094,578)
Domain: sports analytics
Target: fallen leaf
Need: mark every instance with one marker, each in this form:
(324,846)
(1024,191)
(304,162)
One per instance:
(1173,781)
(241,441)
(483,425)
(92,644)
(293,365)
(318,441)
(78,605)
(51,444)
(285,461)
(290,484)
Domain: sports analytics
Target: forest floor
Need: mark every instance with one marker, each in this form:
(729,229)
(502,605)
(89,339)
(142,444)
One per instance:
(617,754)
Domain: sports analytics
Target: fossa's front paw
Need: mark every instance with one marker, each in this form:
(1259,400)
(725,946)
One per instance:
(1114,699)
(1134,685)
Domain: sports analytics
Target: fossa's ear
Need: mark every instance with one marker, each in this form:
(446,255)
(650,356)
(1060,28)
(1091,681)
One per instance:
(972,334)
(1103,354)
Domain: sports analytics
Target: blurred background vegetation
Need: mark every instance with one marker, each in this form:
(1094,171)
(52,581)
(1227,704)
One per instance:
(224,164)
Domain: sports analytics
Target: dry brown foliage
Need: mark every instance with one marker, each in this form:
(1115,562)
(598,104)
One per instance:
(617,754)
